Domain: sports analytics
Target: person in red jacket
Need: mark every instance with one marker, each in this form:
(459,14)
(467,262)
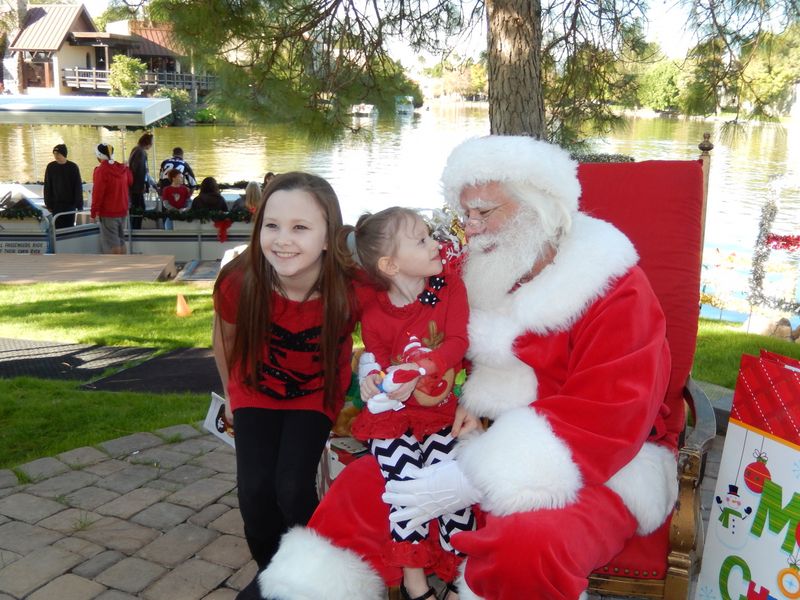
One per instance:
(110,199)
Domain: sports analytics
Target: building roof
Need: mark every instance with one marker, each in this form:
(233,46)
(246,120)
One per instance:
(102,37)
(46,26)
(155,39)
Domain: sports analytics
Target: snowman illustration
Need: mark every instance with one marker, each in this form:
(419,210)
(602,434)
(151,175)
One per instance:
(732,532)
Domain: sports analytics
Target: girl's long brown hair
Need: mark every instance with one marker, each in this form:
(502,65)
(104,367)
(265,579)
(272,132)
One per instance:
(259,280)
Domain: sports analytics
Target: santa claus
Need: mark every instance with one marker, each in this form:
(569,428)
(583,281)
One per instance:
(569,361)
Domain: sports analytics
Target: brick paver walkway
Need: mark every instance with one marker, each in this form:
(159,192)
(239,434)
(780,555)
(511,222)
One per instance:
(149,515)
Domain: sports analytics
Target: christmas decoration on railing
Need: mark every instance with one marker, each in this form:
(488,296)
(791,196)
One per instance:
(783,242)
(221,219)
(21,213)
(761,253)
(18,209)
(202,215)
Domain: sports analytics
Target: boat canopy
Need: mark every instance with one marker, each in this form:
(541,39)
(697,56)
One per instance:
(83,110)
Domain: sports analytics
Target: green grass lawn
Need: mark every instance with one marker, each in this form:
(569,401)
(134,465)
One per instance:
(123,314)
(720,346)
(43,418)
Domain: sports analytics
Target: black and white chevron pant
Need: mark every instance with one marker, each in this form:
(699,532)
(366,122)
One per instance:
(395,455)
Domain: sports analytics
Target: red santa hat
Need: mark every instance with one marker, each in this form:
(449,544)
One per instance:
(510,158)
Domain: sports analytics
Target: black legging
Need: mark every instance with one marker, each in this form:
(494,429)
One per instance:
(136,201)
(277,453)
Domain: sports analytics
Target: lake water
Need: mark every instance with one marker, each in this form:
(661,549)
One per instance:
(398,160)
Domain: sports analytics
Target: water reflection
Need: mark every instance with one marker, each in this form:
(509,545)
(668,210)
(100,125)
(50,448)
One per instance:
(399,160)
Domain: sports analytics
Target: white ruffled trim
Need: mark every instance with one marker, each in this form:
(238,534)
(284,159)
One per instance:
(648,485)
(519,464)
(308,567)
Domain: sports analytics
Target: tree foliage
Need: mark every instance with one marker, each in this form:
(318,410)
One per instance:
(304,60)
(553,69)
(658,87)
(125,76)
(181,106)
(462,76)
(733,37)
(771,69)
(117,10)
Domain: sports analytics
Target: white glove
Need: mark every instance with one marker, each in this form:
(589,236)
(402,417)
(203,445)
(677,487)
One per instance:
(381,403)
(434,491)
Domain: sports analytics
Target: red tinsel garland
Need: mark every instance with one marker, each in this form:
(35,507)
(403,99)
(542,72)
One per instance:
(783,242)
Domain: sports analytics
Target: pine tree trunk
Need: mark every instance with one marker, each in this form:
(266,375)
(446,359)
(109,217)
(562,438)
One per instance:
(516,103)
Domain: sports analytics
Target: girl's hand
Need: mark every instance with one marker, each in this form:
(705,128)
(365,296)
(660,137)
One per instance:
(228,412)
(406,389)
(464,422)
(369,386)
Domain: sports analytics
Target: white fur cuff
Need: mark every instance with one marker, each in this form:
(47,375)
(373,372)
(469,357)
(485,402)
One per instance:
(464,593)
(648,485)
(308,567)
(519,464)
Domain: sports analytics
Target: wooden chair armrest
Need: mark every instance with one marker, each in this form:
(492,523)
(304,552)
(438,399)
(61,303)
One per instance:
(686,528)
(701,436)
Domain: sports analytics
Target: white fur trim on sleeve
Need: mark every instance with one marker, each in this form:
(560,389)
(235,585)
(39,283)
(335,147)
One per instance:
(648,485)
(308,567)
(519,464)
(464,593)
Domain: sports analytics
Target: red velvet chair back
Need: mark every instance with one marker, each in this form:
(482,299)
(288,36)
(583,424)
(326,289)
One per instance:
(658,205)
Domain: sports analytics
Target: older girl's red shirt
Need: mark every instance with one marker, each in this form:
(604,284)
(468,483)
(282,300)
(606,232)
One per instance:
(291,374)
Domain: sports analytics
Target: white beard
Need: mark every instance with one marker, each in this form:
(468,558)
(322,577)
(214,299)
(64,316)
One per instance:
(512,253)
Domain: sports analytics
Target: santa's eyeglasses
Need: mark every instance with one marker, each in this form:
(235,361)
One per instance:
(477,217)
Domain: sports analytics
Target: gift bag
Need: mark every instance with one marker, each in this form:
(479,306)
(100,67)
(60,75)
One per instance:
(751,550)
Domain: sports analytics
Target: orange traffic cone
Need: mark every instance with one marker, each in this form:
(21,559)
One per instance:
(182,308)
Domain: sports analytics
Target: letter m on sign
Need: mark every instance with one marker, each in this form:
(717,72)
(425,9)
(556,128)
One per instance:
(772,512)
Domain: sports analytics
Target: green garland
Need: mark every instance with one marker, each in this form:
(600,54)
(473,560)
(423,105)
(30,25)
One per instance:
(21,213)
(202,215)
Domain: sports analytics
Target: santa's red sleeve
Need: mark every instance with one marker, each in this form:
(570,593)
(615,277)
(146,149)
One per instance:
(587,420)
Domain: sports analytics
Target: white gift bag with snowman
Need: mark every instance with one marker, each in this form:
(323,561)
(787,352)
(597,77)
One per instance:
(751,549)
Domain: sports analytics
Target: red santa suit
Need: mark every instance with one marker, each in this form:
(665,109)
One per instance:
(572,366)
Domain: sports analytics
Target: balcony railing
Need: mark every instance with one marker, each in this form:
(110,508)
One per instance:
(96,79)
